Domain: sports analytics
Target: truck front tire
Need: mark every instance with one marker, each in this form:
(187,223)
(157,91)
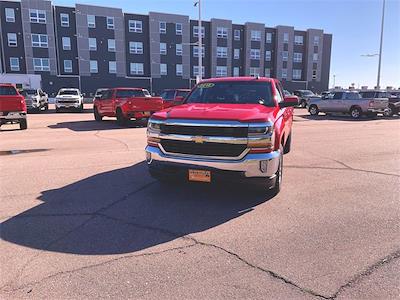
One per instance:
(97,116)
(121,120)
(313,110)
(278,176)
(23,124)
(355,112)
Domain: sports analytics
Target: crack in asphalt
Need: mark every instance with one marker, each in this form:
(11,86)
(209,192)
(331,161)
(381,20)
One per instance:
(342,169)
(97,134)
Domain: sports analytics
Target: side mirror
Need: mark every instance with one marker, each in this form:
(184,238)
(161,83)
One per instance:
(289,101)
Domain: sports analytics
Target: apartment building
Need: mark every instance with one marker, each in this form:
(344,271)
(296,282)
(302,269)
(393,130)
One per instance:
(91,47)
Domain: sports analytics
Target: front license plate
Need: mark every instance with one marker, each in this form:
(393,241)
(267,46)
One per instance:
(146,113)
(200,175)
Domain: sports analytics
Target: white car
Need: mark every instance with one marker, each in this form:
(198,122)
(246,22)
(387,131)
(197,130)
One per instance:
(69,98)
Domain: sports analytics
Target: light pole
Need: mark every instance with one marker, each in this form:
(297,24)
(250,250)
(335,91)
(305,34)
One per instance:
(380,47)
(200,76)
(334,80)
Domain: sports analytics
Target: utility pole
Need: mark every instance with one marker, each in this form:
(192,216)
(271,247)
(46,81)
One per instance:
(200,76)
(380,48)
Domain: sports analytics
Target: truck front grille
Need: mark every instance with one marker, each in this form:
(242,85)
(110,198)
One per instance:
(205,130)
(205,149)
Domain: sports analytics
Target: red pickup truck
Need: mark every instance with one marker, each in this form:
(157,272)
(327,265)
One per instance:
(126,104)
(173,97)
(228,128)
(12,106)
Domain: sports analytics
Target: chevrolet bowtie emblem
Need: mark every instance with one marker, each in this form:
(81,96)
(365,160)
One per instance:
(198,139)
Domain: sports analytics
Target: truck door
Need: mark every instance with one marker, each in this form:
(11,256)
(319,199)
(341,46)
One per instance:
(332,104)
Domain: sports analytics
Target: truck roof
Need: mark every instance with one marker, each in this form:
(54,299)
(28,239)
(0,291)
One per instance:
(240,78)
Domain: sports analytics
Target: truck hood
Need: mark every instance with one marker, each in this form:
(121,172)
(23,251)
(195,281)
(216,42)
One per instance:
(232,112)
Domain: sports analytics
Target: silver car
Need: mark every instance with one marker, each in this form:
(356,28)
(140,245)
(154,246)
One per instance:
(36,99)
(348,102)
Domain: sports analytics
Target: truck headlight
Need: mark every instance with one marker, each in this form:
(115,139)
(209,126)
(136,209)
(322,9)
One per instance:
(261,139)
(254,131)
(154,126)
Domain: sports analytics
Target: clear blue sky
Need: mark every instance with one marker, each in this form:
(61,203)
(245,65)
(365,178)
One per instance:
(355,25)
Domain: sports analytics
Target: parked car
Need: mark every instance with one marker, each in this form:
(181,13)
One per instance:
(234,128)
(305,96)
(348,102)
(99,93)
(36,99)
(126,104)
(173,97)
(69,98)
(394,101)
(12,106)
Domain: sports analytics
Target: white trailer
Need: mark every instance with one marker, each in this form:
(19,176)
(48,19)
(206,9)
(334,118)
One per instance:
(22,81)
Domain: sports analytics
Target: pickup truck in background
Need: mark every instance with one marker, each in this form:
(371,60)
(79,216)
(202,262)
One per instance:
(69,98)
(234,128)
(12,106)
(173,97)
(36,99)
(348,102)
(394,101)
(126,104)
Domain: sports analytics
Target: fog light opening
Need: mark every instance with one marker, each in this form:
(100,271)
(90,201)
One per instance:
(263,166)
(148,157)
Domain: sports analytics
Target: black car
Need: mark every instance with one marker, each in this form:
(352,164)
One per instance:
(394,101)
(304,96)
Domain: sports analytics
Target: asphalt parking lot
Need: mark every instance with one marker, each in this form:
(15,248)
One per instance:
(82,218)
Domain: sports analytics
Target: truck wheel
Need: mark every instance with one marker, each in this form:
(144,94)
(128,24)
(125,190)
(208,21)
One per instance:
(279,173)
(97,116)
(288,144)
(388,112)
(313,110)
(121,120)
(81,107)
(23,124)
(355,112)
(46,107)
(57,110)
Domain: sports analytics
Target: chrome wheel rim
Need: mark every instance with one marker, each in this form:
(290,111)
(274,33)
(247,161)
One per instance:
(355,113)
(313,110)
(387,112)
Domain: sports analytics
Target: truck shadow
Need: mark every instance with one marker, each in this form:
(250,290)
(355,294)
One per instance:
(92,125)
(123,211)
(341,117)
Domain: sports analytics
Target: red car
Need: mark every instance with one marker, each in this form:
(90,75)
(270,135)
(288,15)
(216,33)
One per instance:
(126,104)
(235,128)
(12,106)
(173,97)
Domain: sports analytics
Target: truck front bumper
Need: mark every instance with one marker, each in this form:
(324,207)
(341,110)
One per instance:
(12,115)
(256,167)
(68,105)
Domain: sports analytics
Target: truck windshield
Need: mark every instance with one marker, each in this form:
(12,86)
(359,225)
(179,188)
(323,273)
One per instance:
(68,92)
(7,90)
(233,92)
(29,92)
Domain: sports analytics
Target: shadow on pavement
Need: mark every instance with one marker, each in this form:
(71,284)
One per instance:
(92,125)
(342,117)
(123,211)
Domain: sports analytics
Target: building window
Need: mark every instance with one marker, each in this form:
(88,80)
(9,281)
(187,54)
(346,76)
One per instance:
(163,27)
(297,57)
(236,53)
(255,54)
(196,71)
(268,37)
(222,32)
(92,44)
(268,55)
(178,28)
(10,17)
(236,34)
(163,69)
(12,39)
(316,40)
(136,47)
(296,74)
(236,71)
(135,26)
(137,69)
(178,49)
(112,67)
(285,55)
(315,57)
(222,71)
(267,72)
(91,21)
(64,19)
(68,66)
(40,40)
(41,64)
(314,74)
(14,63)
(298,40)
(286,37)
(66,43)
(254,71)
(110,22)
(255,35)
(111,45)
(196,31)
(179,70)
(284,73)
(196,51)
(93,66)
(37,16)
(222,52)
(163,48)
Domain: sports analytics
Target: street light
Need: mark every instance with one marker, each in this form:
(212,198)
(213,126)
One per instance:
(199,77)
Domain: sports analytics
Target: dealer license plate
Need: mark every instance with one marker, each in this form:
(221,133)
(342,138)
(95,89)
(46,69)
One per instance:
(199,175)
